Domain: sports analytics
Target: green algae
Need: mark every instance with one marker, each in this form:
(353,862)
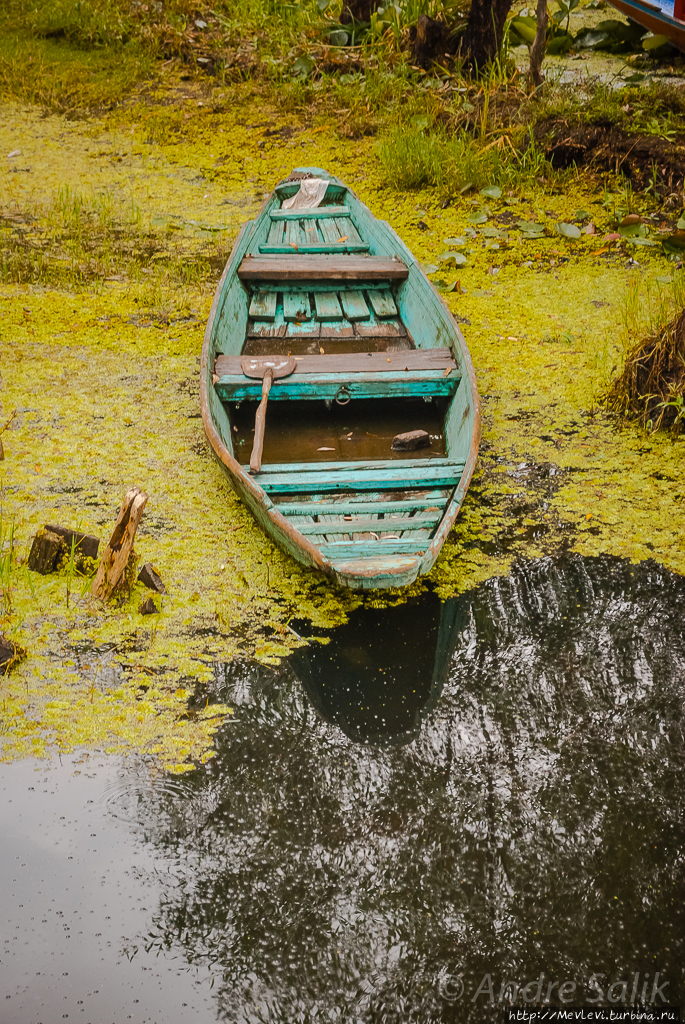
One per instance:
(104,375)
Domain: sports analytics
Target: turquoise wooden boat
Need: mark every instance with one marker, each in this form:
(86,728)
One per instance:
(376,353)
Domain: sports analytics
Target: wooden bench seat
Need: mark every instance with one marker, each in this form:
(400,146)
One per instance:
(391,475)
(321,267)
(411,373)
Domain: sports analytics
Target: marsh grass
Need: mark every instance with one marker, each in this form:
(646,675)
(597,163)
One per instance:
(89,240)
(413,158)
(650,387)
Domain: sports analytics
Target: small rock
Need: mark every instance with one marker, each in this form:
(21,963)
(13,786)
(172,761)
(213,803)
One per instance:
(411,440)
(149,576)
(148,607)
(46,551)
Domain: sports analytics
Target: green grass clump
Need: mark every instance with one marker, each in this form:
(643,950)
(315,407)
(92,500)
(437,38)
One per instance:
(412,158)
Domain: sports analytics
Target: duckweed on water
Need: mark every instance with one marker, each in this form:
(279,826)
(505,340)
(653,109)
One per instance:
(103,374)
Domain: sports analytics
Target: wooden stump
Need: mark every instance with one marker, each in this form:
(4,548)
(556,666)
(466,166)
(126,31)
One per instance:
(148,607)
(46,552)
(10,654)
(85,545)
(112,568)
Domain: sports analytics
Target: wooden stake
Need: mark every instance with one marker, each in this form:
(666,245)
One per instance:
(117,553)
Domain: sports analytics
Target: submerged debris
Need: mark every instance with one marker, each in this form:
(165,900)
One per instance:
(650,387)
(47,551)
(148,607)
(150,578)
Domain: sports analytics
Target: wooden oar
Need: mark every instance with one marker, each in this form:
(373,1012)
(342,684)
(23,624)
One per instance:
(267,370)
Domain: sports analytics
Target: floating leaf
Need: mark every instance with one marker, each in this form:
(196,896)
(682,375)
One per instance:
(681,223)
(630,218)
(568,230)
(491,191)
(652,42)
(495,233)
(477,217)
(429,268)
(442,286)
(460,241)
(582,214)
(452,259)
(633,230)
(530,226)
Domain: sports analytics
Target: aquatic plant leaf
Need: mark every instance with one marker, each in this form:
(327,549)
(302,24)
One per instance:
(561,43)
(491,191)
(652,42)
(338,38)
(525,27)
(429,268)
(452,258)
(592,40)
(442,286)
(568,230)
(681,223)
(494,233)
(582,214)
(303,66)
(675,242)
(477,217)
(460,241)
(530,227)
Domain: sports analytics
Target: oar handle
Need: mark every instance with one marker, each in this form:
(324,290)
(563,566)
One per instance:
(260,422)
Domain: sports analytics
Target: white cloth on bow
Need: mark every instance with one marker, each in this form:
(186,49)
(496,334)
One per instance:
(312,191)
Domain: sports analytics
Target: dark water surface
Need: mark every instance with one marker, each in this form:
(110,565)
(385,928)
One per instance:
(447,804)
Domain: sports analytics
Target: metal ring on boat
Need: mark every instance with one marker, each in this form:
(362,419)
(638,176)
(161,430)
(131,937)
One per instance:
(343,396)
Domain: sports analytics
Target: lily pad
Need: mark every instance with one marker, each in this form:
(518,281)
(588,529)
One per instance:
(491,191)
(583,214)
(429,268)
(443,286)
(495,233)
(452,258)
(568,230)
(477,217)
(460,241)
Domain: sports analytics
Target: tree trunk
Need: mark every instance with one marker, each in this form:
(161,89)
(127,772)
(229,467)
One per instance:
(357,10)
(482,41)
(537,50)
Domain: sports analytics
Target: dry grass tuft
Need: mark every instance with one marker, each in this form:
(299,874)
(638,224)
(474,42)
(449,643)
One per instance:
(651,386)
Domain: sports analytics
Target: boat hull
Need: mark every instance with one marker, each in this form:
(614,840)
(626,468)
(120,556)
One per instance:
(653,20)
(365,565)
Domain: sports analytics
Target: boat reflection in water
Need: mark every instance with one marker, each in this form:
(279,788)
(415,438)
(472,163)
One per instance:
(530,826)
(383,672)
